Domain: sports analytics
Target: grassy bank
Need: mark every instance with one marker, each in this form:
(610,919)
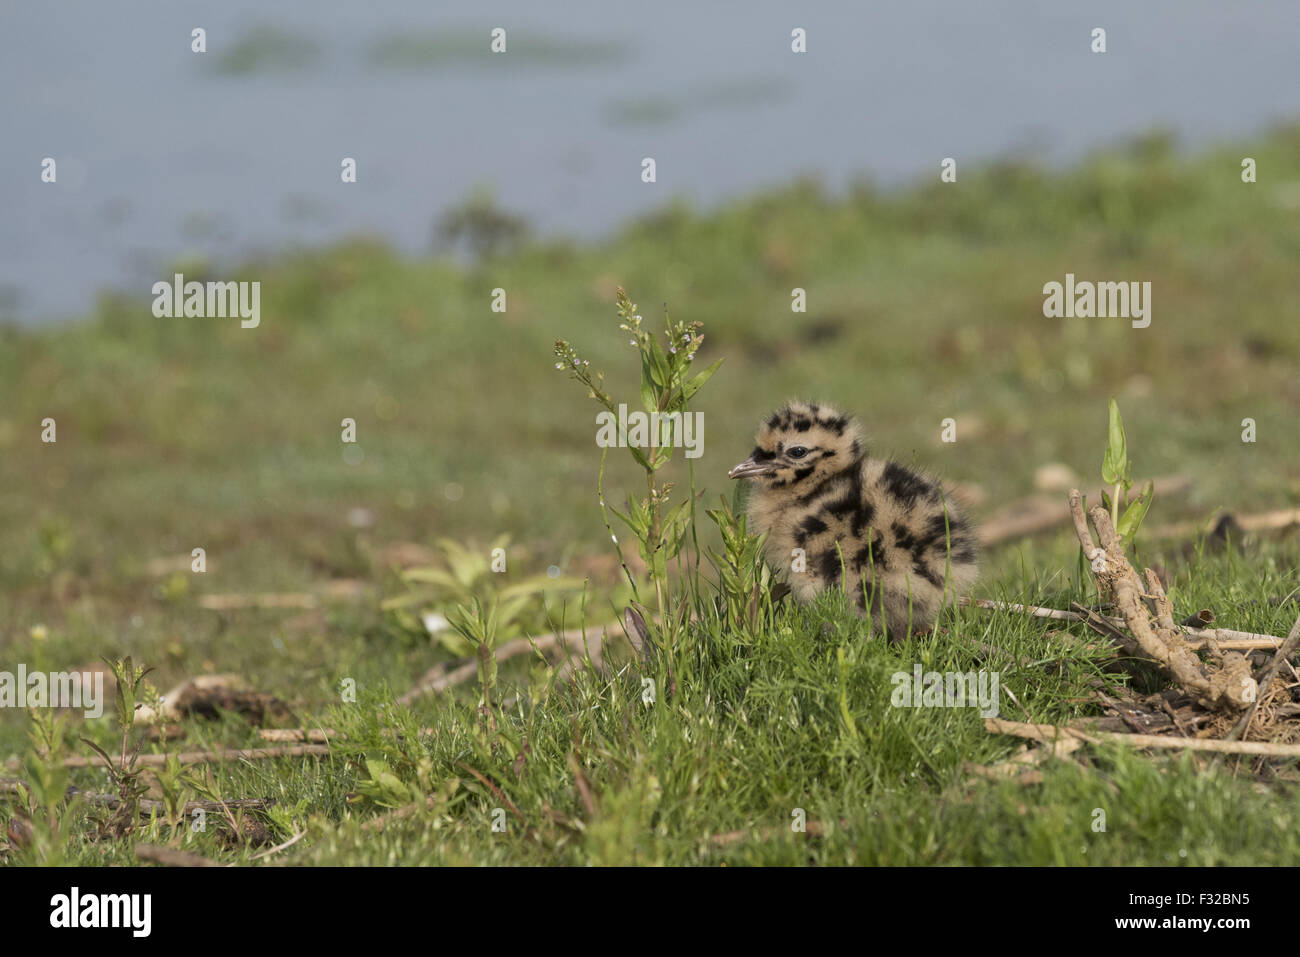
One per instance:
(922,305)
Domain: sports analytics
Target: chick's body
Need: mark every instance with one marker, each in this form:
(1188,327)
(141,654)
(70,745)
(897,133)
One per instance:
(833,514)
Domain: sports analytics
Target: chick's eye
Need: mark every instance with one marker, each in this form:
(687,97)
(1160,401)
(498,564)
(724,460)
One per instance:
(797,452)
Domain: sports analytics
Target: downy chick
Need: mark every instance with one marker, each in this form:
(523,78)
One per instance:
(894,538)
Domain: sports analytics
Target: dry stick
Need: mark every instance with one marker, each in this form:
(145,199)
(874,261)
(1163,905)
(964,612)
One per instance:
(1227,639)
(1020,764)
(1124,713)
(149,807)
(204,757)
(1039,513)
(1262,522)
(233,602)
(279,847)
(144,805)
(15,786)
(171,857)
(1163,607)
(225,808)
(435,680)
(595,657)
(376,824)
(582,784)
(438,679)
(1023,776)
(321,735)
(1049,733)
(1227,689)
(300,735)
(500,796)
(1173,716)
(1105,626)
(811,829)
(1020,520)
(1270,672)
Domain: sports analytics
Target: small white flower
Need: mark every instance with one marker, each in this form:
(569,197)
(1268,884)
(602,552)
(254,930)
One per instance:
(559,365)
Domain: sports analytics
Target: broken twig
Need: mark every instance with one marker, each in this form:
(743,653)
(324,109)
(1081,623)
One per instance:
(1227,639)
(1050,733)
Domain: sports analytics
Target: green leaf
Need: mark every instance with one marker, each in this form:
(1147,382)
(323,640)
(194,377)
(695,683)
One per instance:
(100,751)
(641,460)
(398,602)
(1132,518)
(457,644)
(625,519)
(697,383)
(539,584)
(429,576)
(676,513)
(658,364)
(659,564)
(648,399)
(1114,467)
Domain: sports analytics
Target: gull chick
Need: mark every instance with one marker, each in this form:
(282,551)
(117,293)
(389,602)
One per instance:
(834,514)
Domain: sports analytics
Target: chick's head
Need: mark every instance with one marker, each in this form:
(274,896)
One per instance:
(800,444)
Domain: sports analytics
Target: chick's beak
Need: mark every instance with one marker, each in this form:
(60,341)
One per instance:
(749,468)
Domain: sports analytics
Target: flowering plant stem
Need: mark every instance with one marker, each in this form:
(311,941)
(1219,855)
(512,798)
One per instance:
(665,390)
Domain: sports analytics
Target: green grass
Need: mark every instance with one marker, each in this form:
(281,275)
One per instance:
(924,304)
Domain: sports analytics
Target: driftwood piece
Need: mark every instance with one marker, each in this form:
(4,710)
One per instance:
(1228,687)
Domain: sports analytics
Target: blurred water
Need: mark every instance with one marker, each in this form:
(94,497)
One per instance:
(165,154)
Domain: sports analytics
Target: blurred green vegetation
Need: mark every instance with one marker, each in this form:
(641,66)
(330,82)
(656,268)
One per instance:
(923,304)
